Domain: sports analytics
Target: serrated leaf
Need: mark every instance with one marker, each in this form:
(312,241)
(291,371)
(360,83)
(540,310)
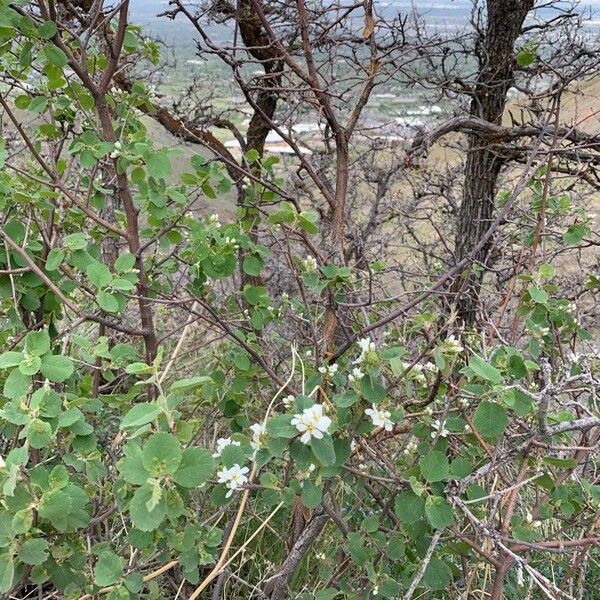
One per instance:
(484,370)
(34,551)
(140,414)
(371,389)
(141,517)
(57,367)
(311,494)
(439,512)
(108,569)
(437,575)
(162,454)
(7,571)
(125,262)
(434,466)
(16,384)
(131,467)
(490,420)
(537,294)
(55,56)
(409,507)
(189,383)
(196,468)
(54,259)
(37,342)
(98,274)
(106,301)
(323,450)
(10,359)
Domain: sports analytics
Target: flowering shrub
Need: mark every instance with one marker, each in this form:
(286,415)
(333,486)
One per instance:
(143,452)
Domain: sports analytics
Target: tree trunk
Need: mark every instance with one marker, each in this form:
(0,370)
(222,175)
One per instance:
(496,56)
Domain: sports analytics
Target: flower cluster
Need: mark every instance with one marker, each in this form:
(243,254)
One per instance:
(259,433)
(451,346)
(380,417)
(309,264)
(222,443)
(367,348)
(233,478)
(311,423)
(356,375)
(439,429)
(329,370)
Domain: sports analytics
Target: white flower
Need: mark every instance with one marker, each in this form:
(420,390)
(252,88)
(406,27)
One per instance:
(463,401)
(2,463)
(439,429)
(302,475)
(451,345)
(259,433)
(233,478)
(411,448)
(366,346)
(380,417)
(467,428)
(311,423)
(329,370)
(375,591)
(356,374)
(309,264)
(288,401)
(214,221)
(223,443)
(428,410)
(520,579)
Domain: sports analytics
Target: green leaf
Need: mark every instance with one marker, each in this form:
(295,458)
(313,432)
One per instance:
(16,384)
(252,265)
(575,234)
(30,365)
(437,575)
(279,426)
(158,163)
(434,466)
(162,454)
(525,57)
(409,507)
(47,30)
(323,450)
(7,571)
(396,549)
(140,414)
(190,383)
(75,241)
(490,420)
(484,370)
(39,433)
(311,494)
(54,259)
(537,294)
(34,551)
(37,343)
(439,512)
(57,367)
(196,468)
(131,467)
(125,262)
(371,389)
(10,359)
(55,56)
(99,274)
(142,518)
(55,506)
(108,569)
(106,301)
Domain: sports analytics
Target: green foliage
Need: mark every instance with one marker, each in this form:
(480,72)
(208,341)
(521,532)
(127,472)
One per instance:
(124,450)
